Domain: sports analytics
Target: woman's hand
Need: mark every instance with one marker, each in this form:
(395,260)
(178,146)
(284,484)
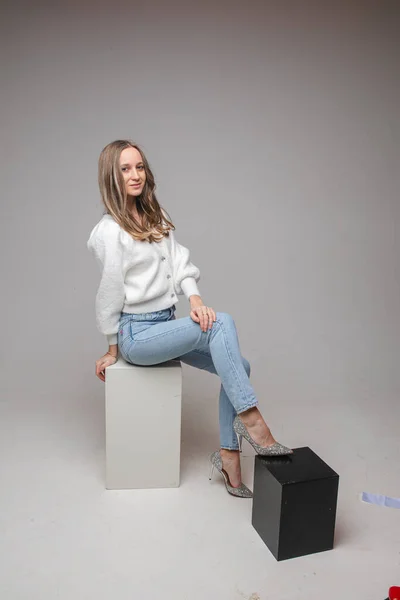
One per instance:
(102,363)
(204,315)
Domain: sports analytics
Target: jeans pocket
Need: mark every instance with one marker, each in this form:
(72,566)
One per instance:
(124,333)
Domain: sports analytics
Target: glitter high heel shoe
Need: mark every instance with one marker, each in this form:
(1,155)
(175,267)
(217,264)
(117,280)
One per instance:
(242,491)
(275,450)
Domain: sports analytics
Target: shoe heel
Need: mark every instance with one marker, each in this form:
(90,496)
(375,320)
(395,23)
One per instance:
(211,472)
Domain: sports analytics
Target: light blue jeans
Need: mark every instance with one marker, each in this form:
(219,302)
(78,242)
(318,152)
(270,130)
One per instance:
(156,337)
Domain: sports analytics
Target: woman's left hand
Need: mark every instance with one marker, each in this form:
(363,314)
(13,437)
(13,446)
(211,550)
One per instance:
(204,315)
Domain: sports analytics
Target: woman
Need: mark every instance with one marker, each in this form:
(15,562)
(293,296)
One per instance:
(144,269)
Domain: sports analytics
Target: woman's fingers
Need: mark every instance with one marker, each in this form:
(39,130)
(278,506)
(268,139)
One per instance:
(205,318)
(102,364)
(205,321)
(99,371)
(210,317)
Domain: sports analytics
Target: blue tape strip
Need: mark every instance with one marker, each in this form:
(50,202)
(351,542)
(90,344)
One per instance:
(380,500)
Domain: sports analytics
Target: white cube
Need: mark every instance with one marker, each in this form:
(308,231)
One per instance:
(143,425)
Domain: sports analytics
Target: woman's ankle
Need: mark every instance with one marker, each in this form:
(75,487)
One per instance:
(251,416)
(229,453)
(231,466)
(257,427)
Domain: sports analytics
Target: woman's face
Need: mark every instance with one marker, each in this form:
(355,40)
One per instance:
(132,168)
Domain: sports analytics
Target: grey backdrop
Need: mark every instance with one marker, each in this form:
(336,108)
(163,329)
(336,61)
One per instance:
(273,132)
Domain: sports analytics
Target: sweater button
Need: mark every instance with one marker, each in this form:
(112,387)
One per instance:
(168,276)
(172,295)
(163,258)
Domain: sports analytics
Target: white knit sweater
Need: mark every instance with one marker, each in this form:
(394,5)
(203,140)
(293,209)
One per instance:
(137,277)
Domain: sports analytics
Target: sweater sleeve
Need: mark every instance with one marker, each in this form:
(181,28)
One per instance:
(186,274)
(105,244)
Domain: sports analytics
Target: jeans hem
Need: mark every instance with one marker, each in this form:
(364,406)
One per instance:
(229,448)
(247,408)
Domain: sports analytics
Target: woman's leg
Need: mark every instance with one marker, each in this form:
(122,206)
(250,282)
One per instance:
(161,341)
(165,340)
(228,439)
(201,359)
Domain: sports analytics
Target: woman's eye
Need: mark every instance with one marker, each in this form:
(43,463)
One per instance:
(140,167)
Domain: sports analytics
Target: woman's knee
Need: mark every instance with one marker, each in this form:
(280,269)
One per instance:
(224,318)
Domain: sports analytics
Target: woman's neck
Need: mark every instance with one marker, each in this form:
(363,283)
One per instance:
(133,208)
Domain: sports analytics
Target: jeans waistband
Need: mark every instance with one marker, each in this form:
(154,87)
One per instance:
(158,315)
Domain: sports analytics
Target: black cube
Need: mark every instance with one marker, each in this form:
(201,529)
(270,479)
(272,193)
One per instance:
(294,503)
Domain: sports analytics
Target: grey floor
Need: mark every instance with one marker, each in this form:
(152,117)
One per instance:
(64,536)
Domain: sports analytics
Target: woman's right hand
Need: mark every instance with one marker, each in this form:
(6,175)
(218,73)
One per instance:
(105,361)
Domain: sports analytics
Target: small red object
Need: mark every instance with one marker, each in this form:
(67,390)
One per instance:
(394,593)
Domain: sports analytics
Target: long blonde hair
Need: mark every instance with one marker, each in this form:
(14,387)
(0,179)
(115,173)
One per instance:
(155,225)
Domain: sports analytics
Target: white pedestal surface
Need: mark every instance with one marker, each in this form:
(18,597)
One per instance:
(143,425)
